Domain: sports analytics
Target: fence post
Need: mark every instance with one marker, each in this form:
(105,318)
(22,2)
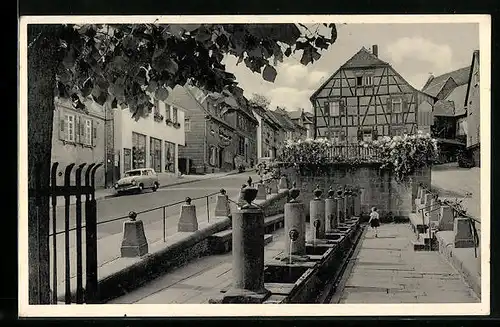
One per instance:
(53,182)
(79,272)
(67,262)
(91,289)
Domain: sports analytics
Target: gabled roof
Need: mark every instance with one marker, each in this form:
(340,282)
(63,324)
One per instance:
(363,59)
(474,55)
(457,96)
(443,108)
(435,84)
(298,114)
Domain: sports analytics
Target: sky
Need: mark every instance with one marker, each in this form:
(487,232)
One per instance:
(413,50)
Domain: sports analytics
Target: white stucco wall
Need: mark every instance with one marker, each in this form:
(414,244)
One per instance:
(125,125)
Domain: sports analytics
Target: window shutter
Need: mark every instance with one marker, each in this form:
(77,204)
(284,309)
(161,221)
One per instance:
(77,129)
(375,133)
(327,109)
(405,105)
(93,128)
(389,106)
(62,125)
(342,108)
(342,136)
(360,135)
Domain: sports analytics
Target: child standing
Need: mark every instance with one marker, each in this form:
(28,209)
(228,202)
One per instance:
(374,220)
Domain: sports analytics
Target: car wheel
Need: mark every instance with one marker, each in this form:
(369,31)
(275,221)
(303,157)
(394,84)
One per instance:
(141,187)
(155,187)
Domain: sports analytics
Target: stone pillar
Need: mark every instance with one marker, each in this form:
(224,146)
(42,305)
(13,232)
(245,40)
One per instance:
(317,213)
(295,228)
(261,191)
(134,243)
(463,233)
(357,205)
(273,185)
(283,185)
(248,253)
(446,218)
(340,207)
(222,207)
(188,222)
(434,212)
(331,222)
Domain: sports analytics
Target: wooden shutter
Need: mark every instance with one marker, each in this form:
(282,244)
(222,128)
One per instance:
(93,128)
(77,128)
(389,106)
(375,133)
(327,109)
(360,134)
(342,136)
(342,108)
(62,125)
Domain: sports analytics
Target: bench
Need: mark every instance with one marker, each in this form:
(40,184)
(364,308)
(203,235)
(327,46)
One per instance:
(221,242)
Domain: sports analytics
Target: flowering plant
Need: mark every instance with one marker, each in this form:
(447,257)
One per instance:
(401,154)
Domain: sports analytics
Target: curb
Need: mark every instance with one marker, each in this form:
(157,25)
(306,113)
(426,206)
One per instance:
(180,183)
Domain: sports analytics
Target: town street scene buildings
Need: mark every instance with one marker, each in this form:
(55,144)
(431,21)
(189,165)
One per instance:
(262,164)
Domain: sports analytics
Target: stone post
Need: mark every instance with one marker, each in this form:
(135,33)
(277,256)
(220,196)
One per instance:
(188,222)
(241,201)
(134,243)
(295,228)
(340,207)
(222,207)
(463,233)
(273,185)
(248,253)
(357,205)
(261,191)
(446,218)
(317,213)
(283,185)
(434,212)
(331,222)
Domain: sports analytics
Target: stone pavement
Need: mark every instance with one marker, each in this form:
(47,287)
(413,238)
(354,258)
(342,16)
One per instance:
(387,270)
(196,282)
(165,180)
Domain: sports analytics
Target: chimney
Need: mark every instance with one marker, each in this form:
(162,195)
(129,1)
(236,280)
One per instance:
(375,50)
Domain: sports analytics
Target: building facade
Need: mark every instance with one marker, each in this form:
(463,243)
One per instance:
(303,119)
(365,99)
(473,109)
(449,123)
(267,135)
(211,139)
(152,141)
(78,137)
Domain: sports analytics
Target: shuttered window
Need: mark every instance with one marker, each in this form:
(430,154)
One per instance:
(88,132)
(69,128)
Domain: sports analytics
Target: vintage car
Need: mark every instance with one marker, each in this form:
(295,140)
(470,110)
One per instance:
(138,180)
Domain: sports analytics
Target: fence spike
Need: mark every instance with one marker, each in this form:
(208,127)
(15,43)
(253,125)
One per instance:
(67,174)
(87,174)
(93,173)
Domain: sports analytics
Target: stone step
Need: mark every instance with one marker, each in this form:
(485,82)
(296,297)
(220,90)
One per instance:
(419,246)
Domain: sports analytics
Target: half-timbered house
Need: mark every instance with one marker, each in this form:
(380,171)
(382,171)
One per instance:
(367,98)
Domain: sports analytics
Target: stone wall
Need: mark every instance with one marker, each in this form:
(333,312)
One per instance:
(379,187)
(274,204)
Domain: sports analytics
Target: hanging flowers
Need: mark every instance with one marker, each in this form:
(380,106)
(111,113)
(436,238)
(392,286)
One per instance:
(401,154)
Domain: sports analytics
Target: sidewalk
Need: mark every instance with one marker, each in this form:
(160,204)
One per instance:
(109,245)
(387,270)
(165,180)
(197,282)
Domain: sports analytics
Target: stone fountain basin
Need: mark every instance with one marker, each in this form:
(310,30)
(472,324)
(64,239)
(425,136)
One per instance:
(334,236)
(285,280)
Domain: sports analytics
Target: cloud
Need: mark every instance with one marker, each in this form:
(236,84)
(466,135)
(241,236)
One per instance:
(411,49)
(298,75)
(290,98)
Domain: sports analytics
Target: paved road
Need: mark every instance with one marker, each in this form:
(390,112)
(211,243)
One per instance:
(120,206)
